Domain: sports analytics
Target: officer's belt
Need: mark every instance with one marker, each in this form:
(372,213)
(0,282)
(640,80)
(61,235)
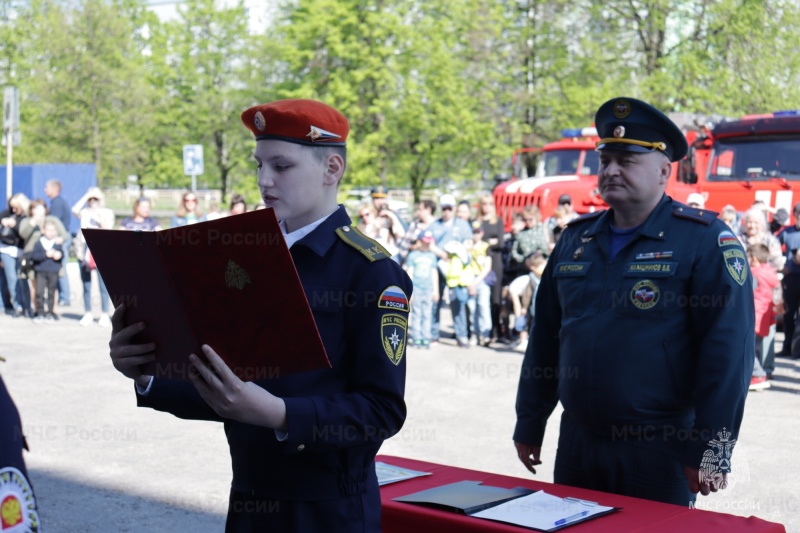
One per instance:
(634,430)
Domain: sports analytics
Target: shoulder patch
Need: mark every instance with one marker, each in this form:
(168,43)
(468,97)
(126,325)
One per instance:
(393,298)
(703,216)
(369,248)
(585,217)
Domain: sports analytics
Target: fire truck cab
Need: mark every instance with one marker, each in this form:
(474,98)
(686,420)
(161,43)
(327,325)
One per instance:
(740,162)
(568,166)
(736,162)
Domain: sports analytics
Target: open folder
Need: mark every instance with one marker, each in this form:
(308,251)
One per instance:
(229,283)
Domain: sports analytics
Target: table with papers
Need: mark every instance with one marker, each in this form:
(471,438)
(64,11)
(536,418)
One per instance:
(634,514)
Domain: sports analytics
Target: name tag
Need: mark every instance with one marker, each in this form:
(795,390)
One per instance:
(651,269)
(571,269)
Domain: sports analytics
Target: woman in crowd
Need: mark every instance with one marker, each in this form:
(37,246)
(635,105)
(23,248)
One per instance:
(493,232)
(377,227)
(92,213)
(535,236)
(11,252)
(756,230)
(141,219)
(238,204)
(188,212)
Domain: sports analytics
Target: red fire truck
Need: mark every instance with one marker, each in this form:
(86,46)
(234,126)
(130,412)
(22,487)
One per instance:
(736,162)
(568,166)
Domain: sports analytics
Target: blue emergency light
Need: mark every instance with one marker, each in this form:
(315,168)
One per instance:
(571,133)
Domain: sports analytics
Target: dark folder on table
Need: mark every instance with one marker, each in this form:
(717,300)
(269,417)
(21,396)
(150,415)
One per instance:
(229,283)
(464,497)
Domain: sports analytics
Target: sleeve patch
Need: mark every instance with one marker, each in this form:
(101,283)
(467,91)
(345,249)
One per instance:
(369,248)
(736,263)
(726,238)
(393,298)
(393,335)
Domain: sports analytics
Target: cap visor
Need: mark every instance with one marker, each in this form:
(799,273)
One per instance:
(625,147)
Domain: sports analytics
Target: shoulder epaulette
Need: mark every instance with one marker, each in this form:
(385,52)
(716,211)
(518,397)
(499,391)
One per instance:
(585,217)
(704,216)
(369,248)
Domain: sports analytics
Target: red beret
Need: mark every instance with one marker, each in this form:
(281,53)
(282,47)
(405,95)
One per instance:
(298,121)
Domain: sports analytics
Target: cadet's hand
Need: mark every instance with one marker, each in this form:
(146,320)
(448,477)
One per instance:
(230,397)
(528,455)
(704,484)
(127,357)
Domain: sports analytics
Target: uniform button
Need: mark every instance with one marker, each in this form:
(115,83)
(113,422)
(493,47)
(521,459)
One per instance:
(680,209)
(346,228)
(301,447)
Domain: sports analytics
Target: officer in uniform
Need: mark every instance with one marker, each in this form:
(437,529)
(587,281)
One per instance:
(303,446)
(18,511)
(644,329)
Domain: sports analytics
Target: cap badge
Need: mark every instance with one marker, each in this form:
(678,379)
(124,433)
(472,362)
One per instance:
(316,134)
(619,132)
(622,108)
(259,121)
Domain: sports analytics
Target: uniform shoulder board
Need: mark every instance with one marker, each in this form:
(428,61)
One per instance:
(704,216)
(369,248)
(585,217)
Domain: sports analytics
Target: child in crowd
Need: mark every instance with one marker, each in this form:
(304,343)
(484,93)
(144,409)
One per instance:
(46,257)
(522,293)
(421,266)
(479,301)
(765,284)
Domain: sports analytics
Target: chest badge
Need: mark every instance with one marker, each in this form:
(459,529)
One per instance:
(645,294)
(578,253)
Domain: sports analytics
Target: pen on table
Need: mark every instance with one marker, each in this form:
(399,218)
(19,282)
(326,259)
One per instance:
(571,518)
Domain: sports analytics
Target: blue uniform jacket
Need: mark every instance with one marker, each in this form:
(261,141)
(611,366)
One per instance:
(659,339)
(337,418)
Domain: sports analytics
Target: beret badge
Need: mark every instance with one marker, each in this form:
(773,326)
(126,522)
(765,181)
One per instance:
(259,121)
(622,108)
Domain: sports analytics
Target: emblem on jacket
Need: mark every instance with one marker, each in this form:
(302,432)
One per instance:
(644,294)
(17,504)
(737,264)
(235,276)
(717,462)
(393,298)
(393,335)
(577,254)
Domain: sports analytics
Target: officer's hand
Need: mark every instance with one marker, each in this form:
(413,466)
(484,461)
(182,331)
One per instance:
(528,455)
(127,357)
(705,484)
(230,397)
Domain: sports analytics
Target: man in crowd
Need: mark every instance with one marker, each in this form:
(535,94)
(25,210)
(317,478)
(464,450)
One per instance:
(60,209)
(644,330)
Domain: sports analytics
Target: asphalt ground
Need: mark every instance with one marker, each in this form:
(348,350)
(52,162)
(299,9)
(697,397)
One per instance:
(98,463)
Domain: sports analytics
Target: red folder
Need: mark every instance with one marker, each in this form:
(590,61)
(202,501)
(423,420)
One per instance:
(229,283)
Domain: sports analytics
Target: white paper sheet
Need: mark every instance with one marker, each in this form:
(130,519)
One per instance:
(543,511)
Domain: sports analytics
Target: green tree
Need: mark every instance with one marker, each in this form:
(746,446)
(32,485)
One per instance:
(200,63)
(85,85)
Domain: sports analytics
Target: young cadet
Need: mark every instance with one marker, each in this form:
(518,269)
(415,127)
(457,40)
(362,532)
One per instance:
(303,446)
(643,329)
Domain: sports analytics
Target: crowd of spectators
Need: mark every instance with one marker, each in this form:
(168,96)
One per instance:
(36,246)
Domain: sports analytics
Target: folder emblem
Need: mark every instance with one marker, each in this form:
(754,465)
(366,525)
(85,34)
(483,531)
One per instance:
(235,276)
(393,332)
